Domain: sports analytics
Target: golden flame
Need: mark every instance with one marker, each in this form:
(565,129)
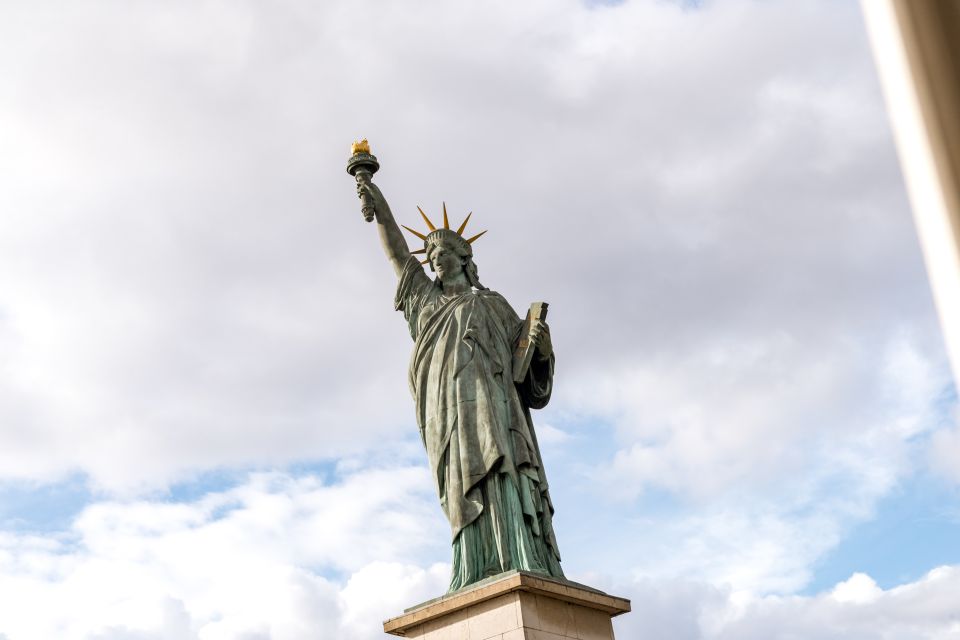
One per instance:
(360,147)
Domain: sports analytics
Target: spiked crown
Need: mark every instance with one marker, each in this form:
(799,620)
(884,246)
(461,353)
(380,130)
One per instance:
(434,234)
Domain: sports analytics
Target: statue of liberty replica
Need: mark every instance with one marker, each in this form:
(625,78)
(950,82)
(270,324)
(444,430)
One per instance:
(476,371)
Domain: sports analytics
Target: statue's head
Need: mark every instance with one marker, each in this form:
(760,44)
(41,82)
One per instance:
(448,252)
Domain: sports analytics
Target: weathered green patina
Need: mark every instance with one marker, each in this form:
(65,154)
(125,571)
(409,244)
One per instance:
(473,418)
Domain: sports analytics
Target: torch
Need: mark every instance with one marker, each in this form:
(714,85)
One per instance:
(362,165)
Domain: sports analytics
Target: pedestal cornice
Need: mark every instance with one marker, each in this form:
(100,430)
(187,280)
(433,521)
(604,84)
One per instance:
(553,589)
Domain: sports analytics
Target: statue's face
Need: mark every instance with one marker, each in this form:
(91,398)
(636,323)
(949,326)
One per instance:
(446,261)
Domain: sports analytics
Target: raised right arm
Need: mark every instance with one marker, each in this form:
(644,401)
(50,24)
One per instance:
(394,244)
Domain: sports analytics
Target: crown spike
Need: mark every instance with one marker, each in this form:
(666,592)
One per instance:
(425,261)
(413,253)
(446,221)
(463,225)
(427,220)
(470,240)
(416,233)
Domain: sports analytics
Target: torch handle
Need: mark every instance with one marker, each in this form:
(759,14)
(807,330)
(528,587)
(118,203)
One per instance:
(366,204)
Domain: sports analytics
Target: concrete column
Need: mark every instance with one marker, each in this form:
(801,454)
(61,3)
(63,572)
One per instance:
(916,45)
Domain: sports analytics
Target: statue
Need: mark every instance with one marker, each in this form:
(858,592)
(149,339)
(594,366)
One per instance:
(474,418)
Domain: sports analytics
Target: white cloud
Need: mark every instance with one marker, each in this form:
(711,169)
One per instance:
(550,436)
(233,564)
(926,608)
(772,457)
(247,560)
(945,451)
(194,287)
(855,608)
(384,589)
(859,588)
(708,198)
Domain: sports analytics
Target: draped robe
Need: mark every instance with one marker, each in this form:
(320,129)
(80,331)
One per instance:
(476,427)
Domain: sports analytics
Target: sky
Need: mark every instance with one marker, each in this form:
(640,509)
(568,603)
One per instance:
(205,426)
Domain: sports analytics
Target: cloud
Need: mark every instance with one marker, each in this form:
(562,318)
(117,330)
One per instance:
(247,560)
(251,561)
(859,588)
(855,608)
(945,452)
(923,609)
(195,288)
(708,197)
(771,457)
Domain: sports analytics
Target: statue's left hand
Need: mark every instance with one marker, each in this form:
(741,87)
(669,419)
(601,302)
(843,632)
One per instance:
(540,336)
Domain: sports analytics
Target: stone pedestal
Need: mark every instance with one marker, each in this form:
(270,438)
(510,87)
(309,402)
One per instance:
(513,606)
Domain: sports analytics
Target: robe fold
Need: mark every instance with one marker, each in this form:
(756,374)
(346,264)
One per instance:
(476,427)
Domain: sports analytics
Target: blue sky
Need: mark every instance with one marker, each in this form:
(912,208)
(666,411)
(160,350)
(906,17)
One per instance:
(915,529)
(205,426)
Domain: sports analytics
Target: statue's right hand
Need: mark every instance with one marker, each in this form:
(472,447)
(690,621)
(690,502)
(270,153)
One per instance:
(373,194)
(371,198)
